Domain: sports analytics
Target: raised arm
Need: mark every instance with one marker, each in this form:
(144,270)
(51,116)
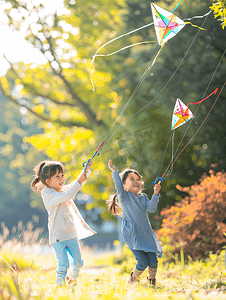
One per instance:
(52,198)
(117,180)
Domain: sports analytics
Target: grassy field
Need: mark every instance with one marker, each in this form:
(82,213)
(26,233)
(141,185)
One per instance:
(29,275)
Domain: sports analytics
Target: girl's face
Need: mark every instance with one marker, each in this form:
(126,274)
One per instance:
(133,184)
(57,181)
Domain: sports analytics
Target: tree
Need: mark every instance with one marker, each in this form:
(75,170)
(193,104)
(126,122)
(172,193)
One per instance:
(219,10)
(75,119)
(59,93)
(146,136)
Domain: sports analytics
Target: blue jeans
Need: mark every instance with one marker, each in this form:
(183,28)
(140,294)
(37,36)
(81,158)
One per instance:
(62,251)
(145,259)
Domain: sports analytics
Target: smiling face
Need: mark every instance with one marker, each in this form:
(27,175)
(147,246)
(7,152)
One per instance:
(56,181)
(133,183)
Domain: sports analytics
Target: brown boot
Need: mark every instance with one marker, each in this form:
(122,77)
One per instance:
(152,281)
(152,273)
(132,279)
(135,276)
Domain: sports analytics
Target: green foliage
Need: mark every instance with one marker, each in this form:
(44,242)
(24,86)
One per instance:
(219,10)
(142,142)
(75,119)
(197,222)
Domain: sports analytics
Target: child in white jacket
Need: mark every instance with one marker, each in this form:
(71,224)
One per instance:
(65,223)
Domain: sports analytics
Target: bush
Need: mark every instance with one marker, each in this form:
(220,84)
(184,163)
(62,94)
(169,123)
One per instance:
(197,223)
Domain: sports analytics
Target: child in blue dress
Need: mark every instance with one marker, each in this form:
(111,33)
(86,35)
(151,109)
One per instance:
(65,223)
(137,232)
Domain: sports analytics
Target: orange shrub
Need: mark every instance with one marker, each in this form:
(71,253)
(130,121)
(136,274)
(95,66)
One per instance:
(198,222)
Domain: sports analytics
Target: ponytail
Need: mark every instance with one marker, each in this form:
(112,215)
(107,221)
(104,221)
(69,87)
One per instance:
(34,182)
(37,170)
(45,170)
(114,206)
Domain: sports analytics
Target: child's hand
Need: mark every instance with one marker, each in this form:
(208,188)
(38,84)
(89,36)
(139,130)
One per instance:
(111,166)
(157,188)
(82,178)
(89,165)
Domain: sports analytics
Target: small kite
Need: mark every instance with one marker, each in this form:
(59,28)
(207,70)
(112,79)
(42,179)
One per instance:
(181,114)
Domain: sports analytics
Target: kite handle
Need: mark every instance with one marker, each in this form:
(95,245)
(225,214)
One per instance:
(159,179)
(85,164)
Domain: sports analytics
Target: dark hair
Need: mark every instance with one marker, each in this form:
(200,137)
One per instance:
(45,170)
(114,206)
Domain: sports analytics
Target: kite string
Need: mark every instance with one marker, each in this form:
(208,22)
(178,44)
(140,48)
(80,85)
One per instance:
(172,134)
(172,155)
(199,127)
(162,43)
(132,31)
(125,34)
(211,79)
(182,60)
(134,92)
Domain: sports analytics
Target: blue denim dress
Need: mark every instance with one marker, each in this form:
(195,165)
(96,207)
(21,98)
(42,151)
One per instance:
(136,228)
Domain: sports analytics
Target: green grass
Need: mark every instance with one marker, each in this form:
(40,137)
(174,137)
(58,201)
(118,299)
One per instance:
(105,277)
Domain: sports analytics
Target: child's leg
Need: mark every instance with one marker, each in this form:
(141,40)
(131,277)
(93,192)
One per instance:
(142,263)
(62,261)
(74,250)
(152,268)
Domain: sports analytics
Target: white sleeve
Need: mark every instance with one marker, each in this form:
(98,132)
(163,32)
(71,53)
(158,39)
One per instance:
(52,198)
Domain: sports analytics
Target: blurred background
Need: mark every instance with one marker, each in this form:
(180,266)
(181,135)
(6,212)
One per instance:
(50,111)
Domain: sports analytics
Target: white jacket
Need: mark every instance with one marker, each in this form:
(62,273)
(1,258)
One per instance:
(65,221)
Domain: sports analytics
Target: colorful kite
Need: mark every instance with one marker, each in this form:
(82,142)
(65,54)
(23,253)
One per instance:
(167,25)
(181,114)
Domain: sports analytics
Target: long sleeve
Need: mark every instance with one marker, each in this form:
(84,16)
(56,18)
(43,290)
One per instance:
(153,203)
(118,183)
(52,198)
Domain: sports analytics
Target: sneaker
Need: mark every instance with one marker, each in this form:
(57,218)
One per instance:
(152,281)
(132,279)
(70,281)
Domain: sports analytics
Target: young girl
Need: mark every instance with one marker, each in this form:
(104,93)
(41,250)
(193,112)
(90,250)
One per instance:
(136,228)
(65,223)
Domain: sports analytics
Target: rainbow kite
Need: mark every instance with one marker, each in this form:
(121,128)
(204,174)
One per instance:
(167,25)
(181,114)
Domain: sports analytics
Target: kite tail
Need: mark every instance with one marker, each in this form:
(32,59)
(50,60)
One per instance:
(214,92)
(124,48)
(118,37)
(198,128)
(195,25)
(176,6)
